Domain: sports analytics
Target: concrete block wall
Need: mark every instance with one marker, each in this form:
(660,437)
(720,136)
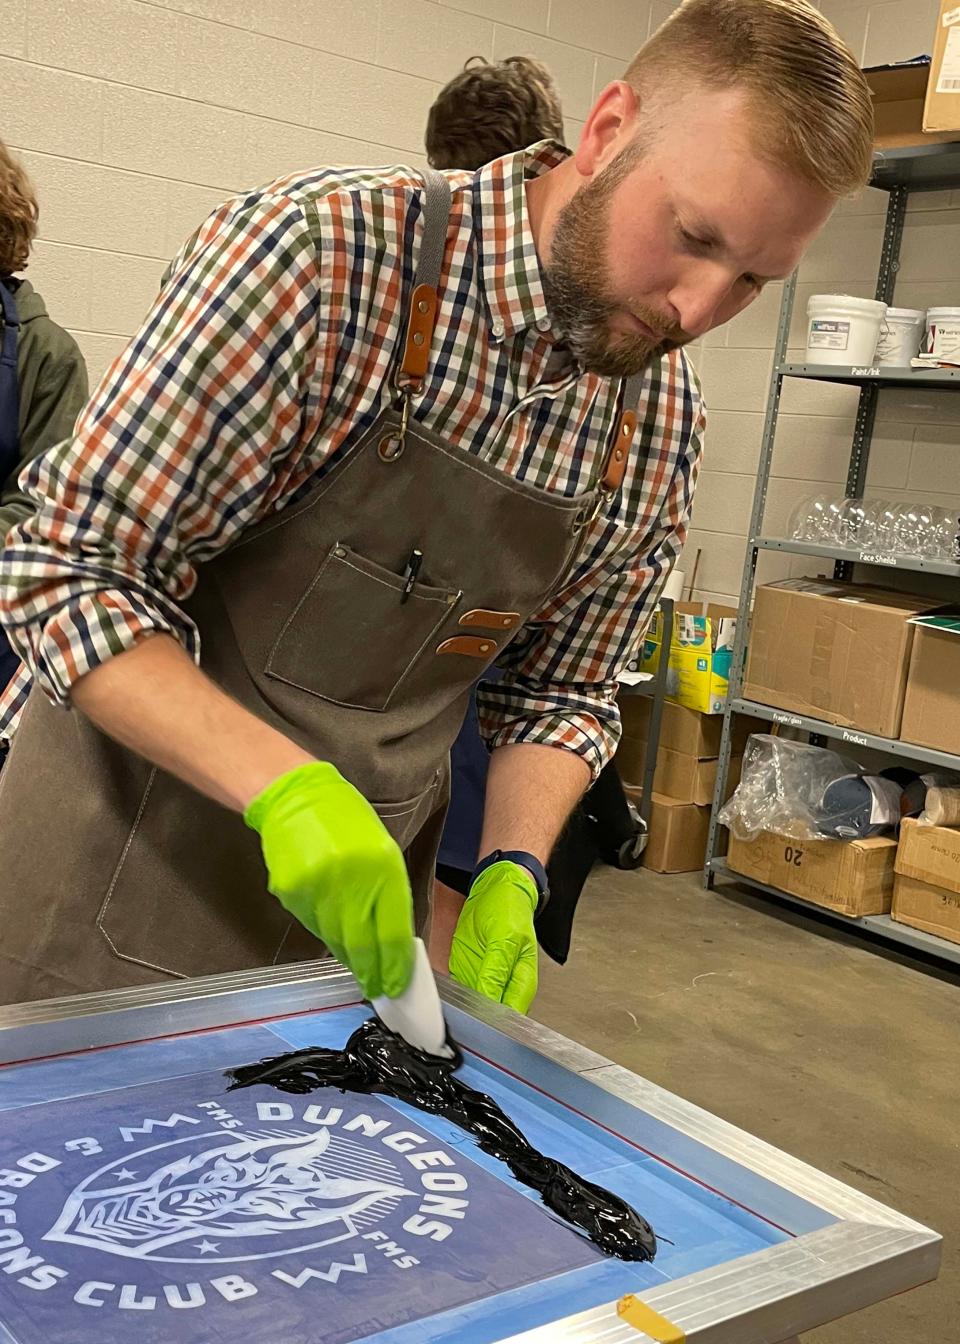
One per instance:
(136,117)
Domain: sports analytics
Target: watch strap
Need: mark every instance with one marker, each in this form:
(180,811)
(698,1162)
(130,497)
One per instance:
(523,859)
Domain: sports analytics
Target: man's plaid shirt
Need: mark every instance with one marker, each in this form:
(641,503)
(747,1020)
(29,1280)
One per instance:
(265,359)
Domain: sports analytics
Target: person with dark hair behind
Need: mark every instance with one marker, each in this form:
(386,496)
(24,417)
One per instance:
(43,381)
(484,112)
(489,110)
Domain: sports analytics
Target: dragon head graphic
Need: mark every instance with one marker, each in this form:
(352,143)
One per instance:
(248,1188)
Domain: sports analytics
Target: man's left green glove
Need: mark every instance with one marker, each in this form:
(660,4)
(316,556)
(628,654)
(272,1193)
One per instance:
(494,947)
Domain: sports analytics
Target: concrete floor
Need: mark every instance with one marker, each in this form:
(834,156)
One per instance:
(801,1035)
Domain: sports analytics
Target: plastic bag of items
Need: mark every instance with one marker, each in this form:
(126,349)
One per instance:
(811,794)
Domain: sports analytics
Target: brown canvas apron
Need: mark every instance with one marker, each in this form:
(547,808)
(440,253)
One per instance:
(114,873)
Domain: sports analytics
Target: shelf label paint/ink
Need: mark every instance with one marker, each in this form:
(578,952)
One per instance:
(791,720)
(865,373)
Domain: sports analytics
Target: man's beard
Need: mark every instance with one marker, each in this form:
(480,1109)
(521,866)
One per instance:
(576,284)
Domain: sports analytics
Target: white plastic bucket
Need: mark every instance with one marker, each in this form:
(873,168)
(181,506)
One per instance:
(943,332)
(842,329)
(901,335)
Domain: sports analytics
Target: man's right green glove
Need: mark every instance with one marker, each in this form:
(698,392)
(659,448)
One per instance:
(332,863)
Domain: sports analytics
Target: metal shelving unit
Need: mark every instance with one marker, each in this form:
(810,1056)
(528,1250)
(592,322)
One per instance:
(890,746)
(656,691)
(878,926)
(899,172)
(852,556)
(936,379)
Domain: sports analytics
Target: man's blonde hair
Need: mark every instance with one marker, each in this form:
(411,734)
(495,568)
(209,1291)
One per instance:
(807,94)
(18,213)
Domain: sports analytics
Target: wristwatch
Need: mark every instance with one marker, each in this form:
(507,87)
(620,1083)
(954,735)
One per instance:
(529,861)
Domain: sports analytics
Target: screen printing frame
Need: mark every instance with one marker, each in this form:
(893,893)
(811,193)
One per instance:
(846,1251)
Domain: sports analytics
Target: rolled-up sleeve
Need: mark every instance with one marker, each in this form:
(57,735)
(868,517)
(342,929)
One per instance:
(184,444)
(561,674)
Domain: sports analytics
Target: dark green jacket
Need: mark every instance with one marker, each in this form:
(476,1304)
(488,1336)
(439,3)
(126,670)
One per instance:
(53,391)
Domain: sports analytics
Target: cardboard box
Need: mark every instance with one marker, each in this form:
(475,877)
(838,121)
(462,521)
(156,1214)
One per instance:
(834,651)
(852,877)
(678,835)
(701,651)
(930,854)
(941,112)
(931,707)
(933,909)
(685,778)
(926,894)
(900,92)
(685,730)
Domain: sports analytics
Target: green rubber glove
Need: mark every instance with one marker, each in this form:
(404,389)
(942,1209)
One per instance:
(333,864)
(494,947)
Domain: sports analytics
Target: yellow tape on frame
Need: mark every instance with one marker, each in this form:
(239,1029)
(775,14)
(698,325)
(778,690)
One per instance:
(642,1317)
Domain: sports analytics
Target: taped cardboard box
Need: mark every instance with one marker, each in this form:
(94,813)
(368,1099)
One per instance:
(677,841)
(935,910)
(931,707)
(941,112)
(926,893)
(701,652)
(900,92)
(682,777)
(833,651)
(852,877)
(684,730)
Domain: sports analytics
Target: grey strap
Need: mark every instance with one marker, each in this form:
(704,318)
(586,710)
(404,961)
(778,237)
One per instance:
(436,216)
(632,387)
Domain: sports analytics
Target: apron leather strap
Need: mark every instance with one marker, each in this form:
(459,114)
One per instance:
(616,464)
(424,300)
(423,316)
(9,387)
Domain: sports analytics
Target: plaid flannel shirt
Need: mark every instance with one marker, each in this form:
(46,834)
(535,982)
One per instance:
(265,358)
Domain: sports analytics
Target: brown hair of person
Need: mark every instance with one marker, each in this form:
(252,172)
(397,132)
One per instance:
(489,110)
(18,214)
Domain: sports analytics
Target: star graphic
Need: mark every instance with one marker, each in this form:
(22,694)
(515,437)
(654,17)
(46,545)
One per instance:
(125,1174)
(207,1247)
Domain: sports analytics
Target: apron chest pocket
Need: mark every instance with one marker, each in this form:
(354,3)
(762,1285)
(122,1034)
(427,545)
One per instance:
(350,639)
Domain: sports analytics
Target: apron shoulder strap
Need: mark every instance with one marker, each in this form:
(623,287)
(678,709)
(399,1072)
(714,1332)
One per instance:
(424,300)
(614,468)
(9,386)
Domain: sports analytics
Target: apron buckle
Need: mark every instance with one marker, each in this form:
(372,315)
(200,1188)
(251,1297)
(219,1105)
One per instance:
(391,446)
(591,512)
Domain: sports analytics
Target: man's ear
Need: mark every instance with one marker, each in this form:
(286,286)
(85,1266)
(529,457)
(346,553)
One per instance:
(610,124)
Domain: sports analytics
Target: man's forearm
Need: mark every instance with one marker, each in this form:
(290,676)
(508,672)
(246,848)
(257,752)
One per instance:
(157,702)
(531,791)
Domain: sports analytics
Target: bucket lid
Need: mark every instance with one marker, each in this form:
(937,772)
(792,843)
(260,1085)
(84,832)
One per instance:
(863,307)
(942,312)
(907,314)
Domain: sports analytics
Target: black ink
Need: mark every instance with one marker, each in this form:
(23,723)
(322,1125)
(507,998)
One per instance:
(375,1060)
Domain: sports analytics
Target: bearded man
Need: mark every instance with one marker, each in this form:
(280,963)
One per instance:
(378,431)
